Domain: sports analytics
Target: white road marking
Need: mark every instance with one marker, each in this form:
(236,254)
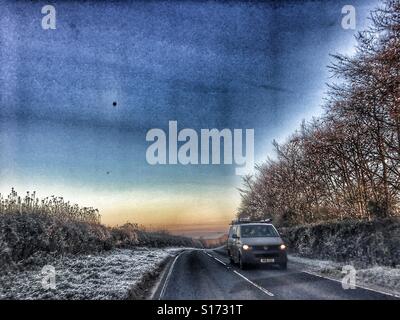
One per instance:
(220,261)
(207,253)
(242,276)
(169,276)
(358,286)
(254,284)
(215,258)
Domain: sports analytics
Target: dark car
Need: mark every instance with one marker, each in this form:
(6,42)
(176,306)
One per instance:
(256,243)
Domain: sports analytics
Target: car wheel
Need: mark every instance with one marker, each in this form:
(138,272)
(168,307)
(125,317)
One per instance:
(230,258)
(242,265)
(283,266)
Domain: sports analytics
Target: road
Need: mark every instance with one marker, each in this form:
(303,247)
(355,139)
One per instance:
(207,274)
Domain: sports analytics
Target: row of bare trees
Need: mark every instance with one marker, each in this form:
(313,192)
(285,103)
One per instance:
(345,164)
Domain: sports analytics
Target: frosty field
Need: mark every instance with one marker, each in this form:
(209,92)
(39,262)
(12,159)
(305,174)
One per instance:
(108,275)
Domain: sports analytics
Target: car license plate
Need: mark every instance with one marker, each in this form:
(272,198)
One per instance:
(267,260)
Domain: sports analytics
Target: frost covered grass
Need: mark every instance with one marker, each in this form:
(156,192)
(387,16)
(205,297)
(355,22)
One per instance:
(91,260)
(380,278)
(108,275)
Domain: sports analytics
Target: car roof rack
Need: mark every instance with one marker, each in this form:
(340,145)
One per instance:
(248,220)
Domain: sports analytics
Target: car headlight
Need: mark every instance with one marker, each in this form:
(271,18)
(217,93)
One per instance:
(282,247)
(246,247)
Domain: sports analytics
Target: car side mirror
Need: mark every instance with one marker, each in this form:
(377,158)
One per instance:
(235,236)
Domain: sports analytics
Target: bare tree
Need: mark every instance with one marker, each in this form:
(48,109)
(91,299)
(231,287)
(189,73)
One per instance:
(345,164)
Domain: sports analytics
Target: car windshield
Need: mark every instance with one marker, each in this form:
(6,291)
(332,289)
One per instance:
(257,231)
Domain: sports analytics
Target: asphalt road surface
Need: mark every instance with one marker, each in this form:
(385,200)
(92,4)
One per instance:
(207,274)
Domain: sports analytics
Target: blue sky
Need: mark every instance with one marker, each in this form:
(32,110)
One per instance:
(206,64)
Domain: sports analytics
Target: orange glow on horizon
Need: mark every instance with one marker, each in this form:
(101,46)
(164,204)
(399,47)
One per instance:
(186,210)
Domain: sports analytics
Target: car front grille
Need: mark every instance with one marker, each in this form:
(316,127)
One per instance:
(266,248)
(267,255)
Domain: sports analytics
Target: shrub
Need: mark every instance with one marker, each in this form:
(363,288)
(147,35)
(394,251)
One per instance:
(364,242)
(30,227)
